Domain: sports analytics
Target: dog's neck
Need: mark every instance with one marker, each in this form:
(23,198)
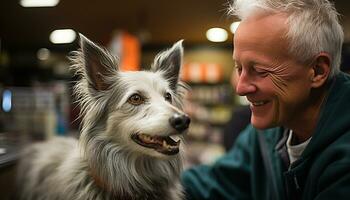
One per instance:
(120,173)
(103,186)
(99,182)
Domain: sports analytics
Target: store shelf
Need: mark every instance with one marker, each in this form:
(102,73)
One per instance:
(210,108)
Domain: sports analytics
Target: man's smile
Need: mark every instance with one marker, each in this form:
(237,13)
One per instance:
(258,103)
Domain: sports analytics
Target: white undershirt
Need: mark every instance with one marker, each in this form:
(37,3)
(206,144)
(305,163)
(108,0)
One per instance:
(295,151)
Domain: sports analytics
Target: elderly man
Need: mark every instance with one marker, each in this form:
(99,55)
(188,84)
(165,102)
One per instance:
(287,57)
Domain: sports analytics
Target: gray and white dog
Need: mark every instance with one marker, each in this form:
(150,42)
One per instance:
(132,126)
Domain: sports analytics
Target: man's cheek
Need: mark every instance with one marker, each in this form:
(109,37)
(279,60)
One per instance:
(280,85)
(276,110)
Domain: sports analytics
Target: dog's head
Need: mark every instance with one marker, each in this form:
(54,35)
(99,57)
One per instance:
(140,112)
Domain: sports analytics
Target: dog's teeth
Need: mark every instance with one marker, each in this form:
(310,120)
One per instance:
(148,138)
(164,143)
(175,138)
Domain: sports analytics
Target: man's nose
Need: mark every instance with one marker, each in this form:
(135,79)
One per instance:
(244,85)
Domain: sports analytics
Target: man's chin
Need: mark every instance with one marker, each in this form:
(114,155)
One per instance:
(262,124)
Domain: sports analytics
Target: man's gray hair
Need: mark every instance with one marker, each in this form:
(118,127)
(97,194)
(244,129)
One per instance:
(313,26)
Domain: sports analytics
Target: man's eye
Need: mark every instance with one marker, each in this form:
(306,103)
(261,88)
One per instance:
(136,99)
(168,97)
(261,72)
(238,69)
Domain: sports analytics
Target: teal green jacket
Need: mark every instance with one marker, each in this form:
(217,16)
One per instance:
(322,172)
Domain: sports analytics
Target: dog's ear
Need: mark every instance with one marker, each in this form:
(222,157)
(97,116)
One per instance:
(170,62)
(98,64)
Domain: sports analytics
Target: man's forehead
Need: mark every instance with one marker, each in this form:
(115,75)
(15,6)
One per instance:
(262,28)
(264,35)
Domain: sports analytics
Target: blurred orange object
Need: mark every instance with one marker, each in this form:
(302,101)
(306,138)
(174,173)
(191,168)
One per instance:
(202,73)
(127,48)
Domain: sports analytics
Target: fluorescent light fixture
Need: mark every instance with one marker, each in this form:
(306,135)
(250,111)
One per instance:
(43,54)
(217,35)
(234,26)
(63,36)
(6,101)
(38,3)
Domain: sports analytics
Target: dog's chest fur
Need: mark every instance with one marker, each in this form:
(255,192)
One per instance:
(68,176)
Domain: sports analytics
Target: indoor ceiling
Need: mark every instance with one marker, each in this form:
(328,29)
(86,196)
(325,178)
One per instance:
(158,21)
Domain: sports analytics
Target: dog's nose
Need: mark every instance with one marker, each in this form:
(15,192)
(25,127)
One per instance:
(180,122)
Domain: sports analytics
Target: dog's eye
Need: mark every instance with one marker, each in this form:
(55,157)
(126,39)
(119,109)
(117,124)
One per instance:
(167,97)
(136,99)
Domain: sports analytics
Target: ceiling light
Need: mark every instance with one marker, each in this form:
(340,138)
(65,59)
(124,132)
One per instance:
(234,27)
(38,3)
(217,35)
(43,54)
(7,100)
(63,36)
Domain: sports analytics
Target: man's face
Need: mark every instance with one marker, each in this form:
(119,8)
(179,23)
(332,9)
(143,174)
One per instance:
(276,85)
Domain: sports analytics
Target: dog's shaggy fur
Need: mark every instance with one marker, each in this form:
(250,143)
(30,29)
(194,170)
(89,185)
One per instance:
(121,111)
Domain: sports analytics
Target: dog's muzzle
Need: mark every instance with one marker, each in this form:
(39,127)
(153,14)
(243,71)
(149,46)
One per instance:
(165,144)
(180,122)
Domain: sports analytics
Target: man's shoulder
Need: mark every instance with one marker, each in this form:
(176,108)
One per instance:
(340,144)
(250,129)
(250,135)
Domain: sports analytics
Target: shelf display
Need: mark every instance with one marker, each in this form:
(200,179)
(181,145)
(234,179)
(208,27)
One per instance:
(209,104)
(40,112)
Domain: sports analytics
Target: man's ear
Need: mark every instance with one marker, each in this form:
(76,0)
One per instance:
(320,70)
(170,62)
(98,64)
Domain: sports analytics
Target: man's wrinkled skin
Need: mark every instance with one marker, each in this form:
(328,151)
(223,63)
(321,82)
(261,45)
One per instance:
(282,90)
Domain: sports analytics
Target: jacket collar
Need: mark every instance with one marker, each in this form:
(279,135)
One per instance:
(334,119)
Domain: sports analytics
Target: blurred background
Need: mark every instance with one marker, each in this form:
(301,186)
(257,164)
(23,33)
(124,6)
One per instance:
(36,36)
